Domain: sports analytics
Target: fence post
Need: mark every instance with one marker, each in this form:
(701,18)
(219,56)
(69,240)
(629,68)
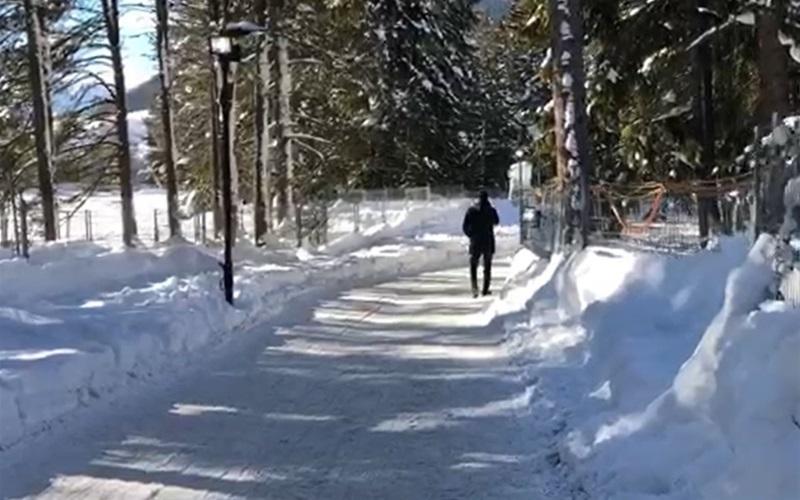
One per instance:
(3,225)
(298,211)
(23,213)
(155,225)
(203,224)
(755,209)
(15,217)
(69,221)
(90,225)
(356,217)
(520,200)
(384,203)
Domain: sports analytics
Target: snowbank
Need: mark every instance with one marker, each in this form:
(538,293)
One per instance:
(672,385)
(431,221)
(79,322)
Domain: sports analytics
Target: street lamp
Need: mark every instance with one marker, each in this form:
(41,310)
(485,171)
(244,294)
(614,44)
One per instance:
(227,51)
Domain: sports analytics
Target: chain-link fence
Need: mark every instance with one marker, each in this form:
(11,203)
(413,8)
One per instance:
(653,216)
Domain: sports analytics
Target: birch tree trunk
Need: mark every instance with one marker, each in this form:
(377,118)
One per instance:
(111,17)
(38,64)
(165,74)
(573,149)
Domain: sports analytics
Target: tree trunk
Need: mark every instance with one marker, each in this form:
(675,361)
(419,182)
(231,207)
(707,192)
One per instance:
(23,226)
(284,96)
(704,108)
(277,109)
(216,153)
(111,16)
(573,150)
(38,63)
(773,68)
(165,73)
(262,209)
(773,105)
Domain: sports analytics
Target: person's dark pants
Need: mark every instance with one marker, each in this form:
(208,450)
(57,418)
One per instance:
(474,258)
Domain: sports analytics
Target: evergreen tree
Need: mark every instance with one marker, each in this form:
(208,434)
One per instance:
(425,82)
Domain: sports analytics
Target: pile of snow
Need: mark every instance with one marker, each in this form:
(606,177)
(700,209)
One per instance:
(430,220)
(672,385)
(81,321)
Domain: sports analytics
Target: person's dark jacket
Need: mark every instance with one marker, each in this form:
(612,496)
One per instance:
(479,225)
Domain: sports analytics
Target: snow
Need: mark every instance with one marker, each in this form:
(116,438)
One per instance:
(748,18)
(392,390)
(520,176)
(672,376)
(84,320)
(352,371)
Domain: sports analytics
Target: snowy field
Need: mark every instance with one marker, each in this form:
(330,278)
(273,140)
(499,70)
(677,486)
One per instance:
(98,218)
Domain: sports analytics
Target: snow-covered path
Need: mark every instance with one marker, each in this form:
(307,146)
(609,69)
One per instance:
(394,391)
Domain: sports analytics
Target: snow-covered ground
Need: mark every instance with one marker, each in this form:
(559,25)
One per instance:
(396,391)
(351,371)
(80,321)
(99,216)
(668,377)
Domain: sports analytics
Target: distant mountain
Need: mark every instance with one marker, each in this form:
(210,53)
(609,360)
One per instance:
(141,98)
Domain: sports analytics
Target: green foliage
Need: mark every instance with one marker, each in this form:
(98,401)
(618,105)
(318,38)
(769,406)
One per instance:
(642,83)
(385,93)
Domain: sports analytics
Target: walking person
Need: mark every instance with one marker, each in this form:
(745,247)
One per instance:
(479,223)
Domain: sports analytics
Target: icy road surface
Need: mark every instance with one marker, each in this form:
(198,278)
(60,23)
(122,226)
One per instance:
(397,391)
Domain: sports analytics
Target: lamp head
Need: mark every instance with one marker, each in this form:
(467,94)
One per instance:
(221,45)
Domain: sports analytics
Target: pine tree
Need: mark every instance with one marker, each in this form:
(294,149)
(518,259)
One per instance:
(424,83)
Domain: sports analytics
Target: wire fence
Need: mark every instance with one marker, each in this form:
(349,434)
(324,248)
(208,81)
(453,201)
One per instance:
(655,216)
(314,222)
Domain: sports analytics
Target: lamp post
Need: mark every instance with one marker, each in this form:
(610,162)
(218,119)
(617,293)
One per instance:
(227,51)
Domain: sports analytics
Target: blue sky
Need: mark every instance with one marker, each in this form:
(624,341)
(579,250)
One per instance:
(138,55)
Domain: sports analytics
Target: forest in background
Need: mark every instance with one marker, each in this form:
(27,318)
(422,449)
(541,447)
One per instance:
(342,94)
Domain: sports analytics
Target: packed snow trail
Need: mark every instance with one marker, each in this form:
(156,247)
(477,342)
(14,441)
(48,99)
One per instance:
(390,392)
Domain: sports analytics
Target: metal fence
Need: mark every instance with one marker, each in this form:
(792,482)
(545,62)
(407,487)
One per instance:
(653,216)
(315,222)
